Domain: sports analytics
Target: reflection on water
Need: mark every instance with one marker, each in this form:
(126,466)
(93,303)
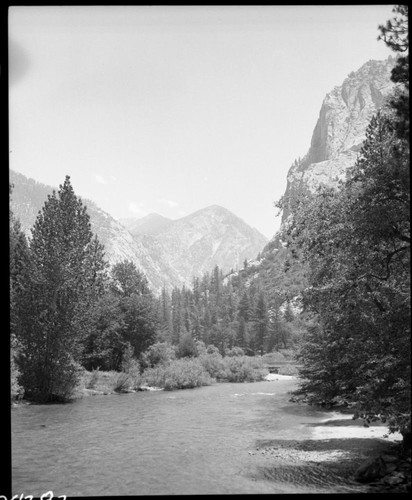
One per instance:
(195,441)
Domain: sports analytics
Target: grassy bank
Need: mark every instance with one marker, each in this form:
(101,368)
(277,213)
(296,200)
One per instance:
(174,374)
(169,373)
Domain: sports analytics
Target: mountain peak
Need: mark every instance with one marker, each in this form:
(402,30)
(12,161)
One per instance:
(341,128)
(169,252)
(149,224)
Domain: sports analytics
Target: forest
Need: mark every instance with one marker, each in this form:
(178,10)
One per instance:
(337,295)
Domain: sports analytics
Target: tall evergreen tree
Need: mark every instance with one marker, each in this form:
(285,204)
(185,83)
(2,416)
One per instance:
(261,323)
(66,276)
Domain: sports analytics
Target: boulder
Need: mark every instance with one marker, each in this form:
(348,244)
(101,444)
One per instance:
(371,470)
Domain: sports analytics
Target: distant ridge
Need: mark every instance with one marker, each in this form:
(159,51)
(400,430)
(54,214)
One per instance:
(169,252)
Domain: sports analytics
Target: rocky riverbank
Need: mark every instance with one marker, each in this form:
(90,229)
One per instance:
(341,453)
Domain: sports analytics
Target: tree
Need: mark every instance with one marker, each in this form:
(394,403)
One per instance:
(260,322)
(66,276)
(356,243)
(244,308)
(396,36)
(186,347)
(105,345)
(395,32)
(127,279)
(19,269)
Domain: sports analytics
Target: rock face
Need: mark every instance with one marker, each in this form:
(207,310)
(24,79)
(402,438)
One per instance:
(340,129)
(212,236)
(169,252)
(150,224)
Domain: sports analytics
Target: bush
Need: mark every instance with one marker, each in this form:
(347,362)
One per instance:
(16,390)
(288,370)
(159,353)
(243,369)
(133,370)
(233,368)
(56,382)
(186,347)
(178,374)
(212,362)
(94,377)
(121,382)
(235,351)
(212,349)
(66,381)
(273,358)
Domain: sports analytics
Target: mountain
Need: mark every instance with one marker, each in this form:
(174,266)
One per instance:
(150,224)
(336,141)
(340,130)
(28,197)
(211,236)
(169,252)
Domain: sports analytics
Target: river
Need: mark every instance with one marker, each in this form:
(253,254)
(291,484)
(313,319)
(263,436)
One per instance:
(219,439)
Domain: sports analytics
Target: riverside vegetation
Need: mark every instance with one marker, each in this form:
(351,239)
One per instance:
(74,321)
(161,369)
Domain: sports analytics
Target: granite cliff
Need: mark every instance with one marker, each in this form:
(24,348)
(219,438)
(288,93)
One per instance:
(340,130)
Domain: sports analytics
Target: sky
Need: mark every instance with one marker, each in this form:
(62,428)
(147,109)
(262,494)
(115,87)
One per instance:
(170,109)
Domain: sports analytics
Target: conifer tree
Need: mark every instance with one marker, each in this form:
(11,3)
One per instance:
(66,276)
(260,321)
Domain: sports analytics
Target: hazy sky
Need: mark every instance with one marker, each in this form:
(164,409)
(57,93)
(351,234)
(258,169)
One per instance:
(170,109)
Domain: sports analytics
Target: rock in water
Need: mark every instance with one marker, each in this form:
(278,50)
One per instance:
(370,471)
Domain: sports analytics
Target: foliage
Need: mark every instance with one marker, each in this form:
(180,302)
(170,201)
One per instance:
(235,351)
(63,276)
(355,242)
(242,310)
(186,347)
(94,377)
(156,354)
(123,322)
(121,382)
(242,369)
(105,346)
(182,373)
(128,280)
(396,36)
(395,32)
(16,390)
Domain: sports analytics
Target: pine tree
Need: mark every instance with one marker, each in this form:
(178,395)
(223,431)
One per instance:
(66,276)
(261,322)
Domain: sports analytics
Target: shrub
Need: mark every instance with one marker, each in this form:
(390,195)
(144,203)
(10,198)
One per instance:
(243,369)
(16,390)
(55,382)
(178,374)
(159,353)
(94,377)
(288,370)
(186,347)
(200,347)
(235,351)
(66,381)
(273,357)
(212,349)
(133,371)
(121,382)
(213,363)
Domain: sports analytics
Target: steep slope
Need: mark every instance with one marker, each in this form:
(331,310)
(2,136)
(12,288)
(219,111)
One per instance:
(150,224)
(340,129)
(210,237)
(337,138)
(169,252)
(28,198)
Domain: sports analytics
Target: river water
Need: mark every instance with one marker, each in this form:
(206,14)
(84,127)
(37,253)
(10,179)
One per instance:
(194,441)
